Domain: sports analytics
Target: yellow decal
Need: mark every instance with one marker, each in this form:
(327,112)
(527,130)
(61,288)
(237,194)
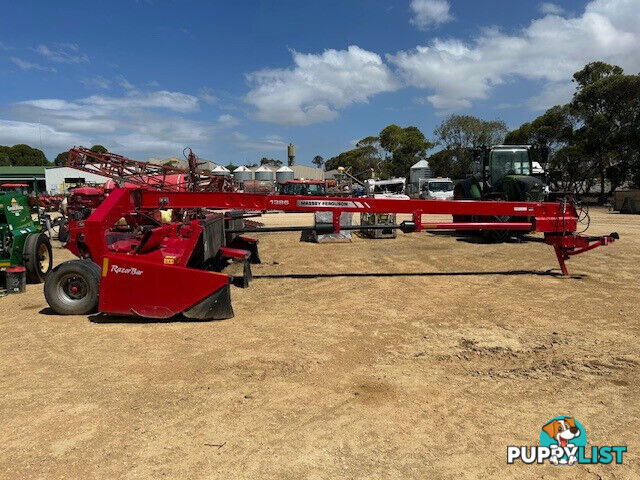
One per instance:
(429,225)
(105,266)
(170,260)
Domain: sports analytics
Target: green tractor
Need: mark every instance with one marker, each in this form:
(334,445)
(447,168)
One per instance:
(503,172)
(22,240)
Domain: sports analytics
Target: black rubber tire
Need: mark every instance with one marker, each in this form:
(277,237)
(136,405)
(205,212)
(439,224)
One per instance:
(497,236)
(81,274)
(37,250)
(63,231)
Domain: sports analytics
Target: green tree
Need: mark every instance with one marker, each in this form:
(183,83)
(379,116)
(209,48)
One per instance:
(391,154)
(363,160)
(98,149)
(4,159)
(23,155)
(553,129)
(61,159)
(272,162)
(467,131)
(459,135)
(231,167)
(570,171)
(595,136)
(405,146)
(607,104)
(446,163)
(318,161)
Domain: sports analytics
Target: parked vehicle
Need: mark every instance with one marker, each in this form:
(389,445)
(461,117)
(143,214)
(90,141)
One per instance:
(22,239)
(437,189)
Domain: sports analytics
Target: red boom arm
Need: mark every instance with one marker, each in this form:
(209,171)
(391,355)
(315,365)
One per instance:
(166,270)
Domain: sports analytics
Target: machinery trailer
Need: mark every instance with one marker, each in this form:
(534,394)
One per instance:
(156,270)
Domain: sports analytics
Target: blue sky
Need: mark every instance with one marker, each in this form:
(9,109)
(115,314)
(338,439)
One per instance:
(239,80)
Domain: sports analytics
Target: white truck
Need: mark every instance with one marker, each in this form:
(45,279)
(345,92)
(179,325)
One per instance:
(436,189)
(392,188)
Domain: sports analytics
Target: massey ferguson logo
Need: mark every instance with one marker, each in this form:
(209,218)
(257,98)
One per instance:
(327,203)
(128,270)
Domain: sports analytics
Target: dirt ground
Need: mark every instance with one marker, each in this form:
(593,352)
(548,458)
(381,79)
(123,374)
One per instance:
(419,357)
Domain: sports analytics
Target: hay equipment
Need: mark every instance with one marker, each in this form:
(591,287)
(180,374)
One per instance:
(156,270)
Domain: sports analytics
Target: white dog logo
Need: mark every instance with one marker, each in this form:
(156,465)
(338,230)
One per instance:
(562,431)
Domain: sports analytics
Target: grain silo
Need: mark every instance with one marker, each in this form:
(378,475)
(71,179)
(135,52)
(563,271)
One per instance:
(220,170)
(264,173)
(291,154)
(283,174)
(418,171)
(242,174)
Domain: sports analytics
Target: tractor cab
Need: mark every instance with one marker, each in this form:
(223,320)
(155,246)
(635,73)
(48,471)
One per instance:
(505,172)
(505,161)
(303,187)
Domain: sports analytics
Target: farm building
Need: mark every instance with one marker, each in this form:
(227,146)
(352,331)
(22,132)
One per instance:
(51,179)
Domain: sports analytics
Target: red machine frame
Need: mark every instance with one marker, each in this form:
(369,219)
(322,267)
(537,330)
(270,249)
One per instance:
(145,174)
(157,275)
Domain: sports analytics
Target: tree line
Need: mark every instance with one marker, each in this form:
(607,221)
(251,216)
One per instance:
(22,155)
(592,140)
(595,138)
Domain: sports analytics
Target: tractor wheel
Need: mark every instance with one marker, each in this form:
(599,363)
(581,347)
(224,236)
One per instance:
(497,236)
(72,288)
(37,257)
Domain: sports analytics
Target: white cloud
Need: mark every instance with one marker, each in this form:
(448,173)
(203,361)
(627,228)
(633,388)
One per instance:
(228,120)
(447,104)
(176,101)
(13,132)
(62,53)
(269,143)
(317,85)
(124,83)
(548,8)
(550,49)
(96,82)
(26,65)
(553,93)
(207,96)
(429,13)
(137,122)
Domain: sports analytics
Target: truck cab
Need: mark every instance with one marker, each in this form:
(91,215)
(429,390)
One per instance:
(437,189)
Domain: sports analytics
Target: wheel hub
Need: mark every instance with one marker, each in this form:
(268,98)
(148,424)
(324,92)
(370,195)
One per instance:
(74,287)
